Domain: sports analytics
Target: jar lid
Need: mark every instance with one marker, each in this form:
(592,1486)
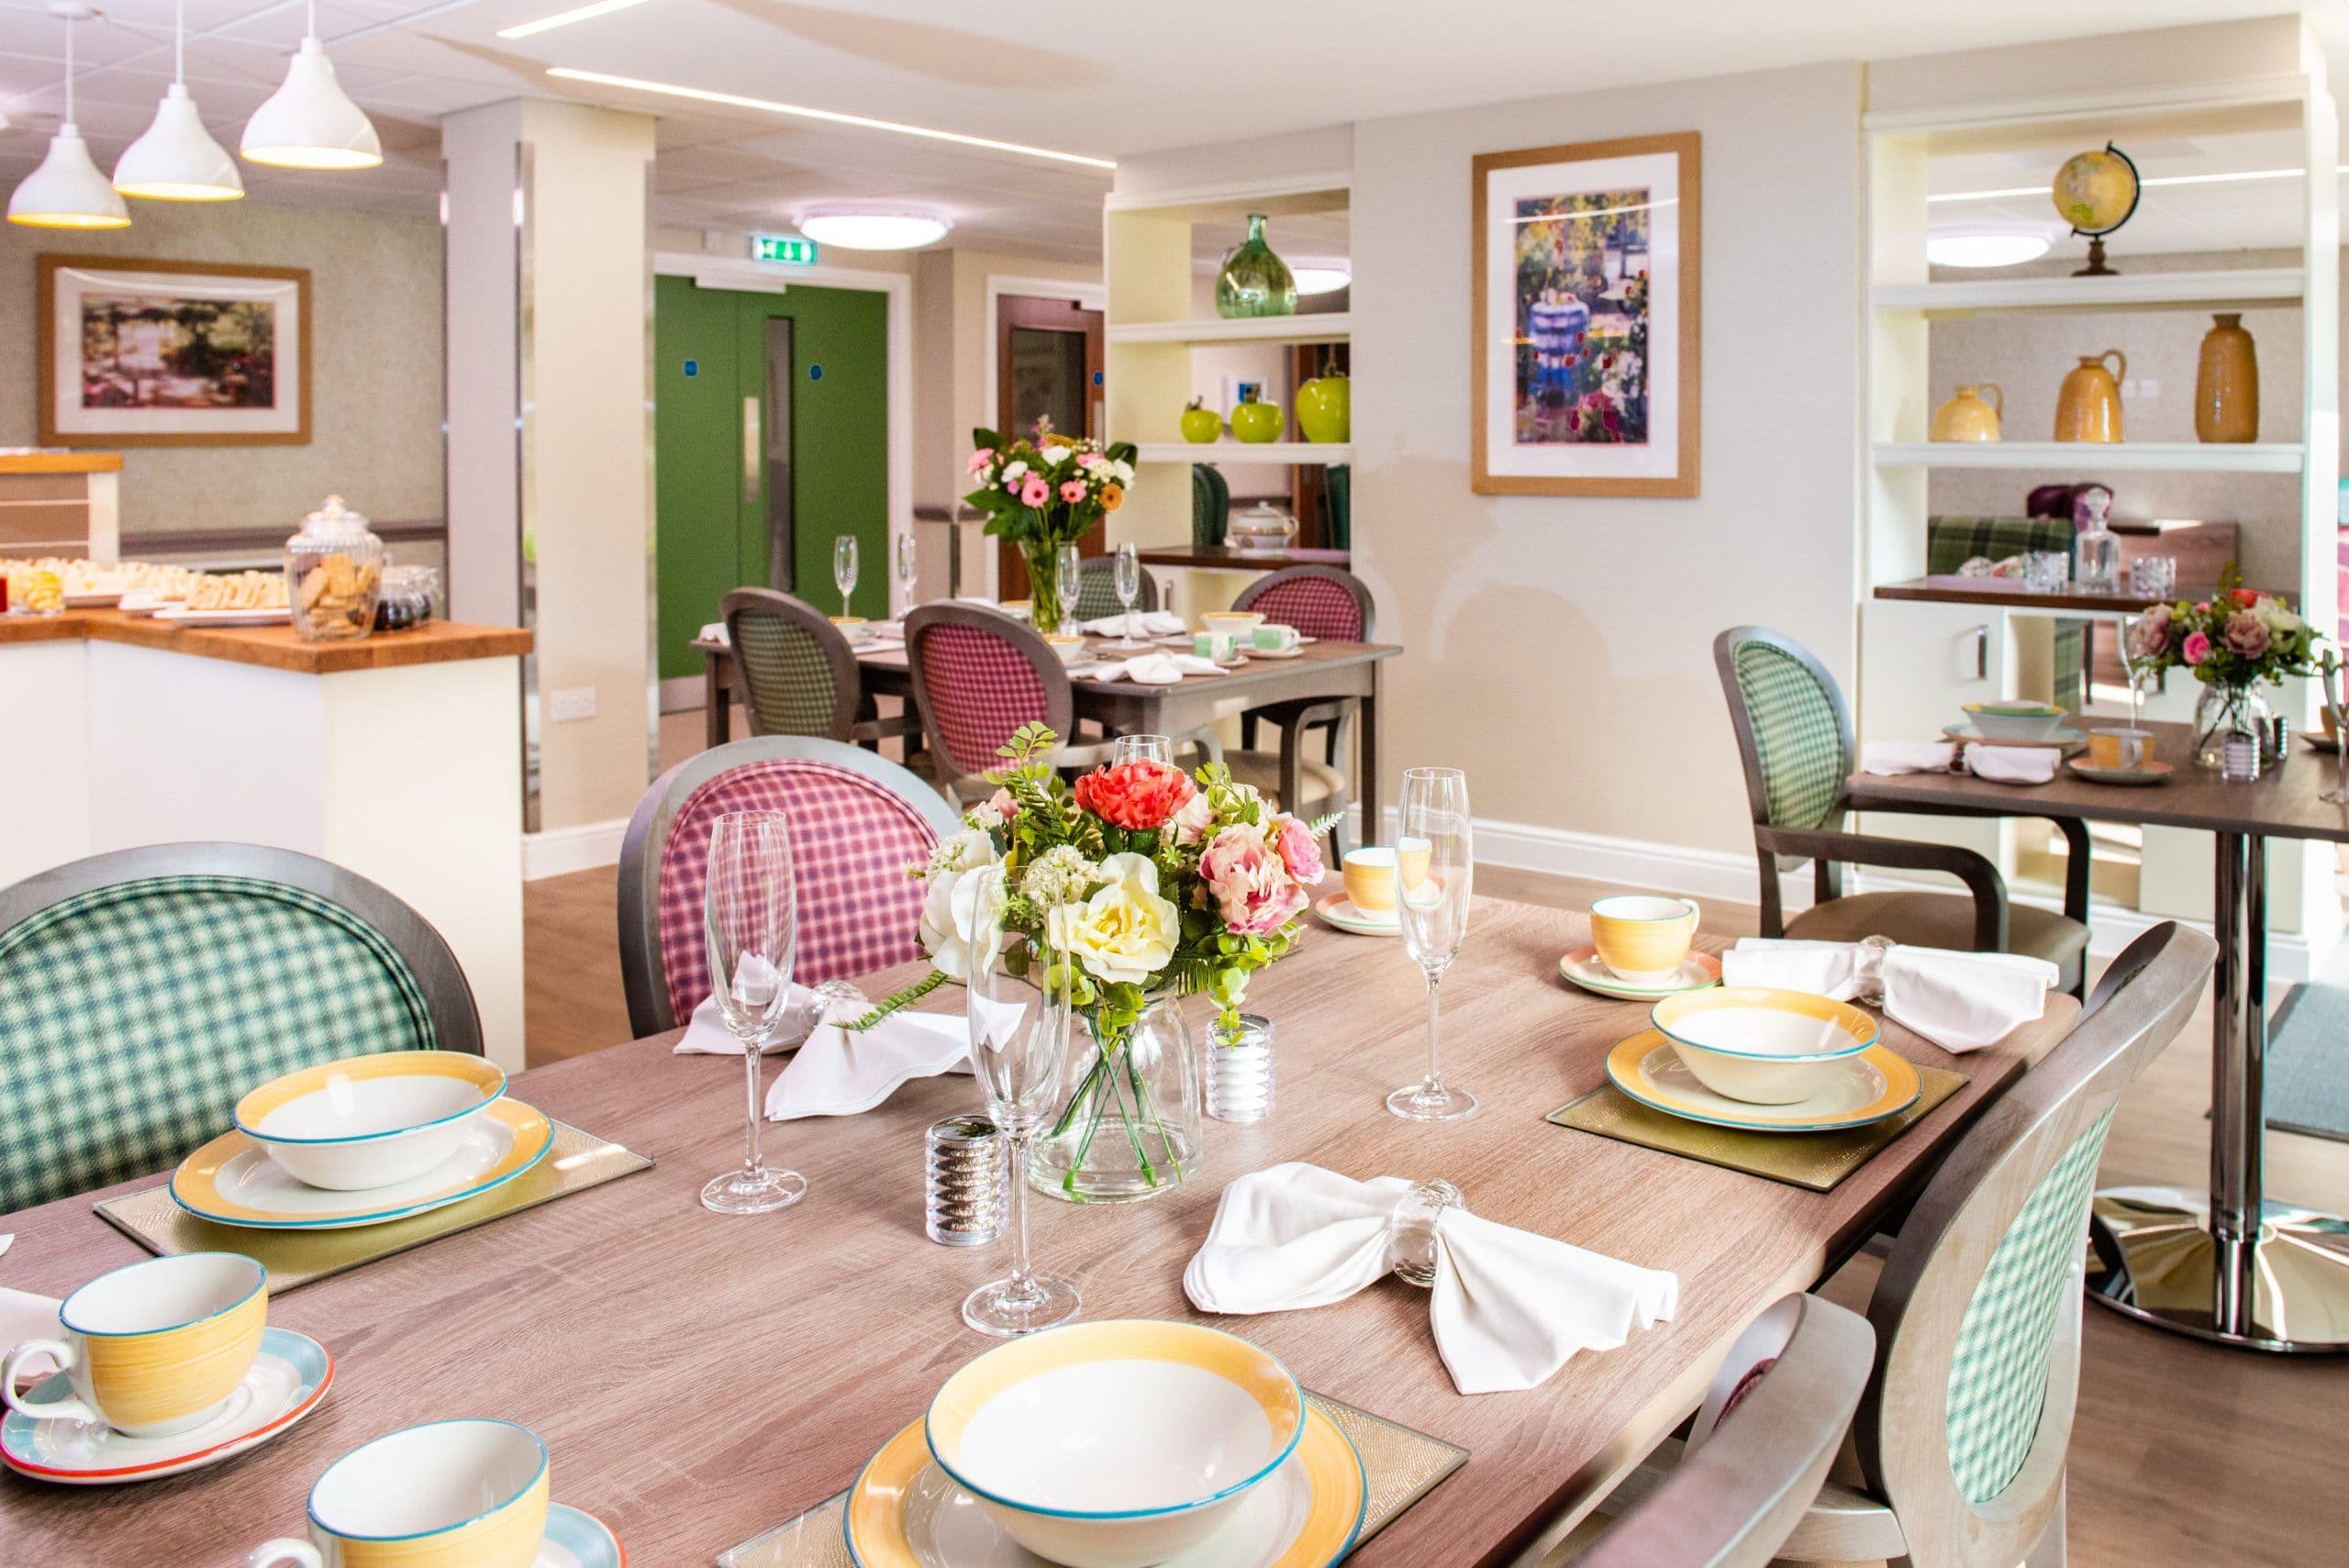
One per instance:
(334,517)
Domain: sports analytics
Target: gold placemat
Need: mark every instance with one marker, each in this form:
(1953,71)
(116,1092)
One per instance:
(577,1162)
(1814,1160)
(1400,1464)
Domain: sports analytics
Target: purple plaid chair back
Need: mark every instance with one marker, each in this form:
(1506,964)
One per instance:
(1320,601)
(979,682)
(851,841)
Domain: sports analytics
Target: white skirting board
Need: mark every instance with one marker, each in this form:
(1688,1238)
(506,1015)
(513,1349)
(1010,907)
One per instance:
(557,851)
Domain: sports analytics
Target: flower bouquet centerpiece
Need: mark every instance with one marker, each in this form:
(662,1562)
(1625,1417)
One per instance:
(1043,495)
(1140,886)
(2235,641)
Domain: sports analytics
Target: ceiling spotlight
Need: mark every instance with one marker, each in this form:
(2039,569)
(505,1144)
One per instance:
(873,231)
(67,191)
(1985,245)
(310,122)
(1321,277)
(177,159)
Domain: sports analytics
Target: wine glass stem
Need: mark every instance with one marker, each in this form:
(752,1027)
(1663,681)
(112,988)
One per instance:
(1022,1278)
(753,1163)
(1435,1079)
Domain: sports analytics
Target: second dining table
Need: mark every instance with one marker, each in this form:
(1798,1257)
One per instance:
(701,1378)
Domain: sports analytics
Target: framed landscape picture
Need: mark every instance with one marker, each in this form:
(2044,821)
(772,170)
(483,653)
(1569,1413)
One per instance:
(1583,378)
(137,353)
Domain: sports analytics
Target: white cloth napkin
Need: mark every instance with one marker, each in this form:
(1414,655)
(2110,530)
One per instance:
(1157,669)
(838,1072)
(714,632)
(1999,764)
(1509,1307)
(1147,623)
(1960,1001)
(1889,757)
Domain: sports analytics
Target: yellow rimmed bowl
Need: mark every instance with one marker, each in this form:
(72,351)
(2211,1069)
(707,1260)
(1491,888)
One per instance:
(2015,721)
(370,1121)
(1117,1444)
(1762,1045)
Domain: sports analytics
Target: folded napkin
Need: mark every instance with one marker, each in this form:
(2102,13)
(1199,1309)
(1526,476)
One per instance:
(839,1071)
(1960,1001)
(714,632)
(1999,764)
(1888,757)
(1509,1307)
(1157,669)
(1147,623)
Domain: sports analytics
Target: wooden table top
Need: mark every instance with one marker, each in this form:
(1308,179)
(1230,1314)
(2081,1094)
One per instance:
(2280,803)
(1952,589)
(273,647)
(1225,558)
(61,462)
(1256,672)
(700,1378)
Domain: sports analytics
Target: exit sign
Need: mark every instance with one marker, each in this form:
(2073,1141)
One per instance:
(789,249)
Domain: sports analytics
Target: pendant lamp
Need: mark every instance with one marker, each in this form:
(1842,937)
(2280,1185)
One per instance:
(310,122)
(177,159)
(67,191)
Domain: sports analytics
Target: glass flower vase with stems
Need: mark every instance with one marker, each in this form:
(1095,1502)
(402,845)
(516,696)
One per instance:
(1132,1120)
(2224,710)
(1051,590)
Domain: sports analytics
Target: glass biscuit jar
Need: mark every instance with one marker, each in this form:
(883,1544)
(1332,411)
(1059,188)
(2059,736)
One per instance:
(334,567)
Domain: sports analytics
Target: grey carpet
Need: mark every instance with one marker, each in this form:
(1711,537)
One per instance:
(2307,1060)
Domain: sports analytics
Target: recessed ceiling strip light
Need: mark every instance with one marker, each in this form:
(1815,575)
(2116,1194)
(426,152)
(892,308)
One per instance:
(768,105)
(564,18)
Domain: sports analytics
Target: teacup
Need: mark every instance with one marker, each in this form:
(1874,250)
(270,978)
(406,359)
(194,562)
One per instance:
(1643,939)
(1069,650)
(1220,646)
(155,1348)
(1370,872)
(1273,637)
(1241,623)
(856,628)
(2121,749)
(464,1493)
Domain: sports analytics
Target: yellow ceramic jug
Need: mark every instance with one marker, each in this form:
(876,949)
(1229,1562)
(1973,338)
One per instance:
(2088,406)
(1967,417)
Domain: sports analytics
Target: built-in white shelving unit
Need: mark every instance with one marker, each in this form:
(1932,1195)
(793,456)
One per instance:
(2246,289)
(2116,457)
(1244,452)
(1327,327)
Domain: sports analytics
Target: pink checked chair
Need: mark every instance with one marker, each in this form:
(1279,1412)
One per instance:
(1328,605)
(979,675)
(857,822)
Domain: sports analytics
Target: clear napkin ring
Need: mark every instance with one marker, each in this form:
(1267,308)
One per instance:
(1869,976)
(1413,1247)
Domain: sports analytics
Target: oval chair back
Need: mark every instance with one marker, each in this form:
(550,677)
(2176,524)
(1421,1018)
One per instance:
(1794,730)
(144,992)
(857,822)
(799,675)
(1096,593)
(1964,1426)
(978,676)
(1321,602)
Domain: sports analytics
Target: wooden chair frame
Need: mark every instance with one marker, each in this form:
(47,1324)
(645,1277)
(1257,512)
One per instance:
(643,972)
(853,715)
(448,997)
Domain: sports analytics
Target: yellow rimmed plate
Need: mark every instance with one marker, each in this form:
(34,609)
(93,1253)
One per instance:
(1876,1084)
(232,1181)
(905,1512)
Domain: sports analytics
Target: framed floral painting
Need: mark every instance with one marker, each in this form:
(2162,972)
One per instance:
(1584,369)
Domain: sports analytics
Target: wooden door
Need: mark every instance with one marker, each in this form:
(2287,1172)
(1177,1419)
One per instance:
(1048,361)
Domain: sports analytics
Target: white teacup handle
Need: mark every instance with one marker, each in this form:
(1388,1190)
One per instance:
(1696,916)
(285,1549)
(57,1350)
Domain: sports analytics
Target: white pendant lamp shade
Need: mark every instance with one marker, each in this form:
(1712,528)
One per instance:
(310,122)
(177,159)
(67,191)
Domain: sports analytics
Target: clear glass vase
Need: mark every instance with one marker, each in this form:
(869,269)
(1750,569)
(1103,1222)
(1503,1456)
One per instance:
(1132,1117)
(1045,605)
(2224,710)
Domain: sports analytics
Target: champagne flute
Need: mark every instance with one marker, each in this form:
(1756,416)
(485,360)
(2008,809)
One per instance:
(2135,666)
(909,561)
(749,910)
(1434,870)
(1068,584)
(844,568)
(1017,1035)
(1129,583)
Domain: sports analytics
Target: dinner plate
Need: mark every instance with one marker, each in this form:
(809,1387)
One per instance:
(230,1179)
(2064,740)
(1583,967)
(903,1512)
(180,615)
(1340,911)
(1867,1088)
(289,1377)
(577,1538)
(2150,773)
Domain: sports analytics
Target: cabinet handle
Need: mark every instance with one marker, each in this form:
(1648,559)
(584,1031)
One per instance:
(753,451)
(1982,652)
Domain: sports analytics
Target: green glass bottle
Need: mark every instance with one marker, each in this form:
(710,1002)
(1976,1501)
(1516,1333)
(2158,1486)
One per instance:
(1254,281)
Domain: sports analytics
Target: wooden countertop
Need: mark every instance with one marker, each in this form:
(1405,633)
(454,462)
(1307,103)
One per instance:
(62,462)
(273,647)
(2009,591)
(1224,557)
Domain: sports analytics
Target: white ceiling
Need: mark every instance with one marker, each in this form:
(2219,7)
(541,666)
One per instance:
(1102,79)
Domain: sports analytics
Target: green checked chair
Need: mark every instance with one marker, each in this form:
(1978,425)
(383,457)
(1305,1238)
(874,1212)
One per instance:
(1097,591)
(1210,505)
(1956,1458)
(143,992)
(799,675)
(1951,542)
(1794,733)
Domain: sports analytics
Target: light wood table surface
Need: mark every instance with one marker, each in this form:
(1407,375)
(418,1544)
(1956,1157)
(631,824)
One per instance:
(700,1378)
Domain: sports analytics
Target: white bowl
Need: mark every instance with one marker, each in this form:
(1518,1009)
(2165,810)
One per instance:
(1069,650)
(1764,1046)
(370,1121)
(1118,1444)
(2015,721)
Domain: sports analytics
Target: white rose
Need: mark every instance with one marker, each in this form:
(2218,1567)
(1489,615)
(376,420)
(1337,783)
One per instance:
(1124,470)
(1012,471)
(951,918)
(966,850)
(1125,933)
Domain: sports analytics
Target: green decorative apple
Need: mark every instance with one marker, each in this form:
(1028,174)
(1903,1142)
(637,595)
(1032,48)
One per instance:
(1256,421)
(1201,423)
(1325,408)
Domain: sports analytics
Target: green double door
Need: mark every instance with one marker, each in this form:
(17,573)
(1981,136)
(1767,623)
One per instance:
(770,422)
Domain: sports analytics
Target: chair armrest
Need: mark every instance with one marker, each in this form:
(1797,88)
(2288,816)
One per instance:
(1980,877)
(2078,862)
(1298,712)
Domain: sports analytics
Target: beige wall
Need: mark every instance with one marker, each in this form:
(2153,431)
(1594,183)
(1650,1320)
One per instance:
(375,365)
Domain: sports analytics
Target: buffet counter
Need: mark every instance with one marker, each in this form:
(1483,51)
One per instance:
(398,756)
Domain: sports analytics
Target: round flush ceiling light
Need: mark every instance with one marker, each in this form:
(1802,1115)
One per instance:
(1321,277)
(1985,245)
(875,230)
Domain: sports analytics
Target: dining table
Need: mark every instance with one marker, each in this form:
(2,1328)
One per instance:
(700,1378)
(2278,1272)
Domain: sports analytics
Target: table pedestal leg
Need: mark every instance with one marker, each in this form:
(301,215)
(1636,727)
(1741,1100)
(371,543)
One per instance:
(2236,1269)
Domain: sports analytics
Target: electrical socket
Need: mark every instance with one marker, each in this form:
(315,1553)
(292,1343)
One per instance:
(572,702)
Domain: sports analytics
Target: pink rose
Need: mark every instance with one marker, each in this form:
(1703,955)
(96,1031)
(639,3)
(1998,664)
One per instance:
(2247,634)
(1191,822)
(1254,891)
(2197,648)
(1005,807)
(1033,491)
(2149,638)
(1298,852)
(1072,490)
(981,457)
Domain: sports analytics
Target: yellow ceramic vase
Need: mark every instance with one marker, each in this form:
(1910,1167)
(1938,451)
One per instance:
(1969,417)
(2226,383)
(2088,408)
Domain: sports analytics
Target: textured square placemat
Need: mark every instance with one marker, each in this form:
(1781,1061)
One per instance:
(1400,1464)
(1814,1160)
(577,1162)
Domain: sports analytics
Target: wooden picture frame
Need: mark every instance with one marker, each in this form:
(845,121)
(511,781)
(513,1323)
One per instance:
(149,397)
(1546,366)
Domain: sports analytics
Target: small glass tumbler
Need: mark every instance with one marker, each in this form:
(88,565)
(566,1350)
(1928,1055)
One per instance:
(963,1184)
(1240,1070)
(2046,570)
(2154,576)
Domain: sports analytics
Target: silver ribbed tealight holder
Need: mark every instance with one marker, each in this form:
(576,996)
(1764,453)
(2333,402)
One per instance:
(1240,1070)
(963,1184)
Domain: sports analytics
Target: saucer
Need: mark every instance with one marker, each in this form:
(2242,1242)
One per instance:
(232,1182)
(1582,966)
(2061,739)
(1296,652)
(1867,1088)
(288,1378)
(2150,773)
(577,1538)
(903,1512)
(2319,741)
(1340,911)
